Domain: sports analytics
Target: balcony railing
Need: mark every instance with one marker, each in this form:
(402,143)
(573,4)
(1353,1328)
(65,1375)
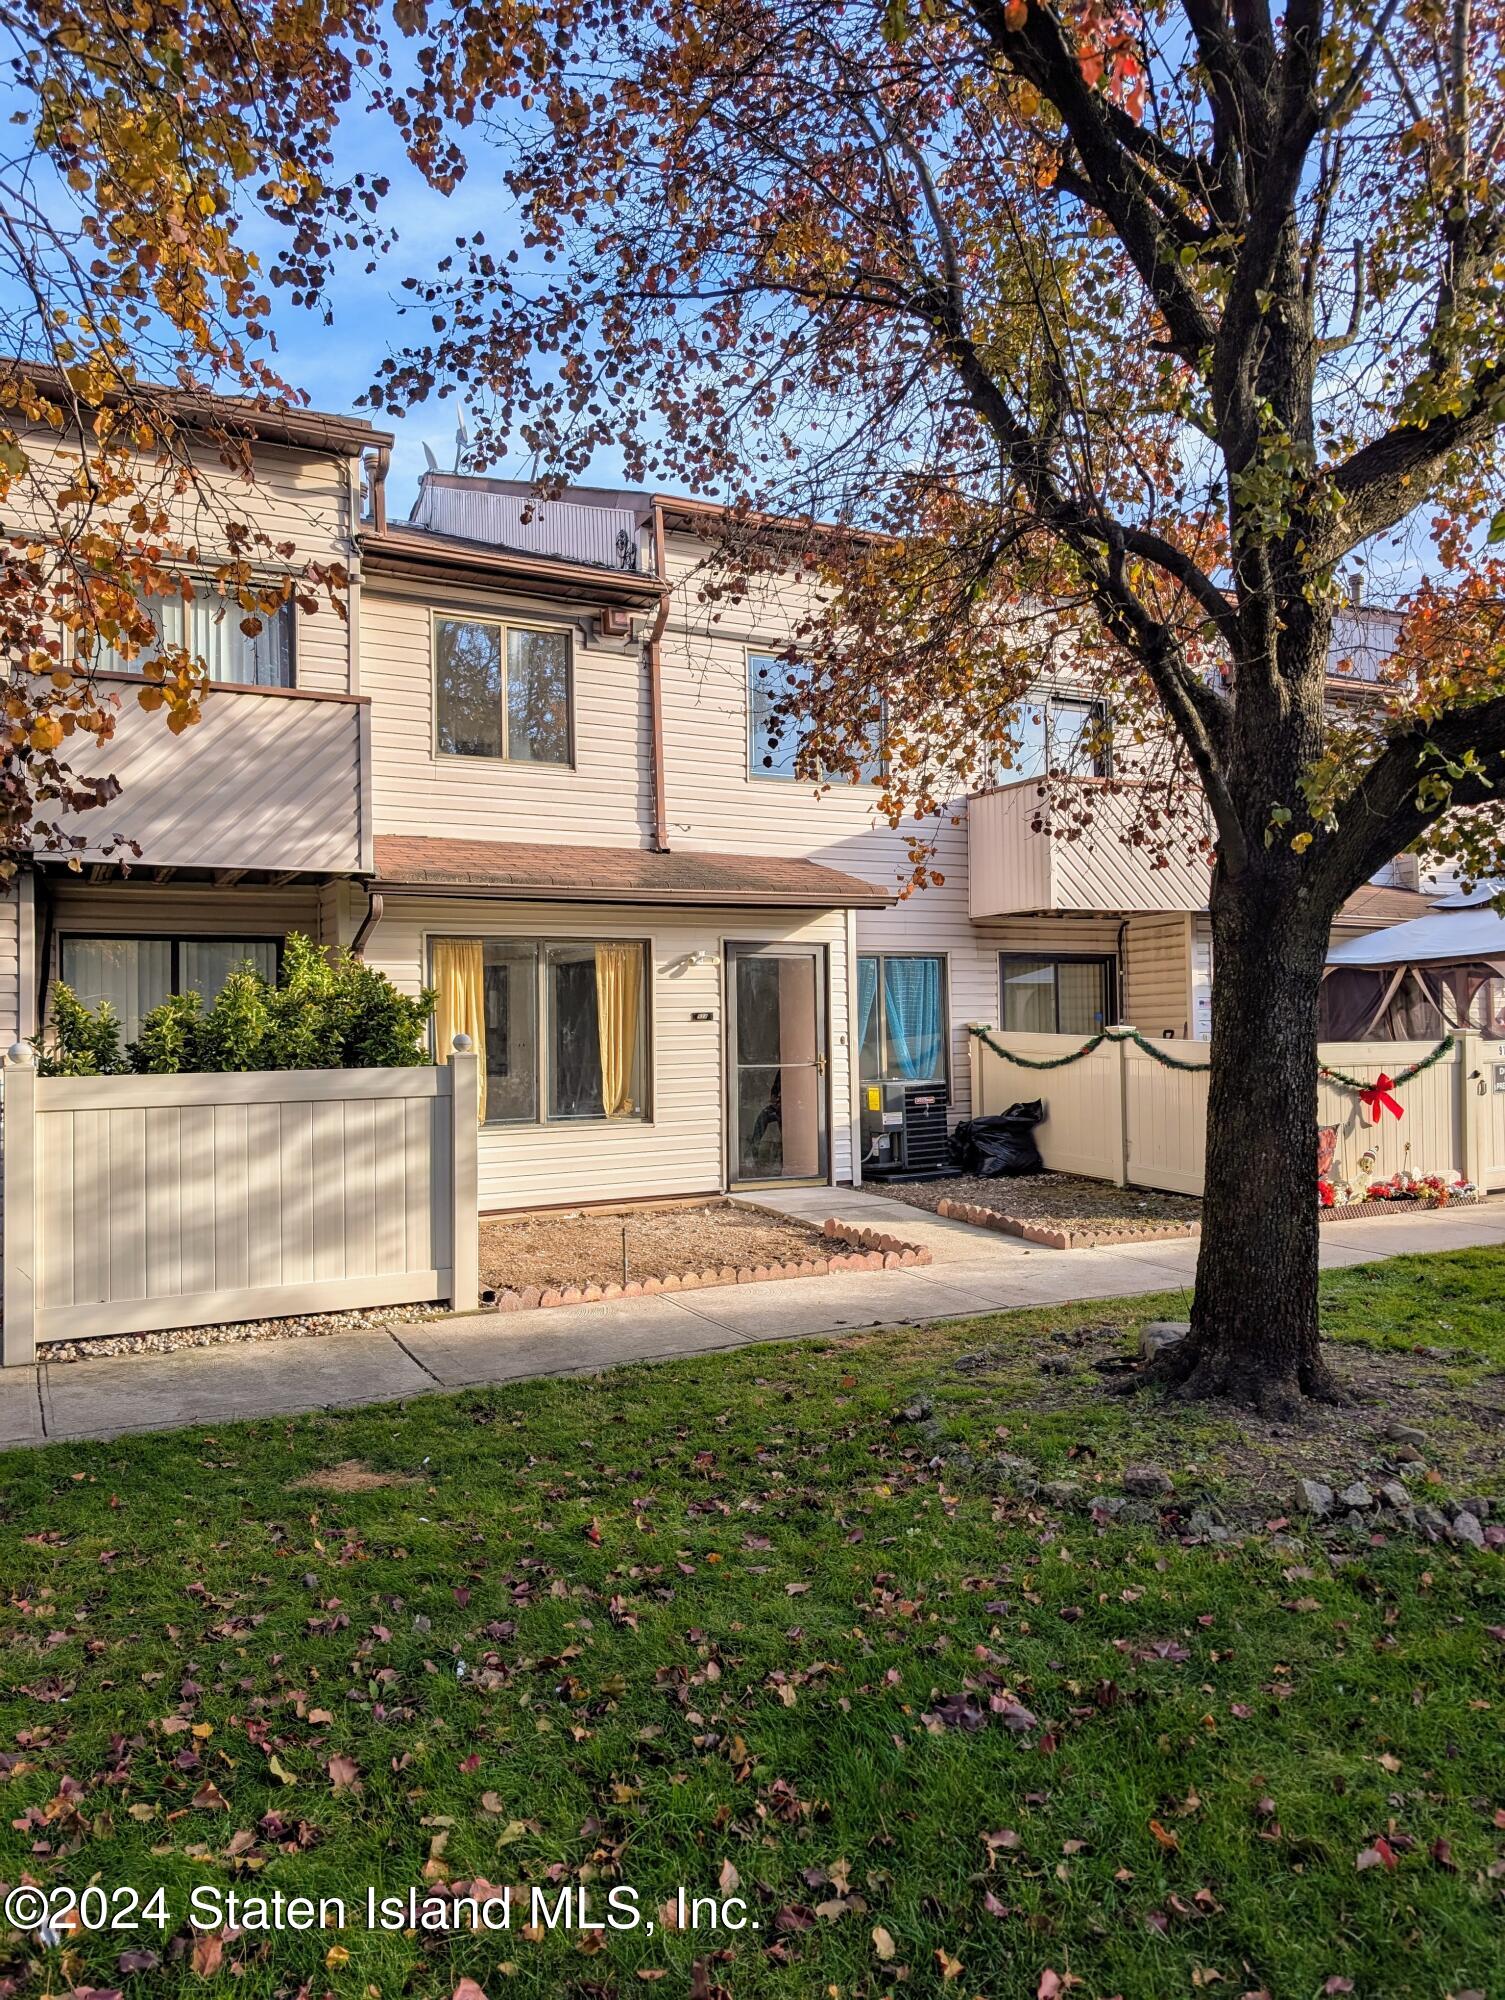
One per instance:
(268,779)
(1024,856)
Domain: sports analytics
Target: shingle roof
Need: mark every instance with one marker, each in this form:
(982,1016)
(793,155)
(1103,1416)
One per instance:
(1377,905)
(525,872)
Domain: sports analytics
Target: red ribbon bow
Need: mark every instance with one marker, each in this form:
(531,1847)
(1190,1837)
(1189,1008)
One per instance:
(1377,1100)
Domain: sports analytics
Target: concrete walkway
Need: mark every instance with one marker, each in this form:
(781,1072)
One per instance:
(974,1271)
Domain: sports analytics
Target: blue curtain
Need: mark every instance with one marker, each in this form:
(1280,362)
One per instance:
(914,1018)
(867,998)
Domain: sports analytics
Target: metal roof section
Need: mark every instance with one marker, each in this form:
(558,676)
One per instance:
(585,525)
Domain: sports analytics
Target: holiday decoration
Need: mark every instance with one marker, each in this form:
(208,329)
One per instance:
(1377,1100)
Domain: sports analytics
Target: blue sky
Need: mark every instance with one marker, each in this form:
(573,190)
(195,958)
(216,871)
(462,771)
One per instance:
(336,362)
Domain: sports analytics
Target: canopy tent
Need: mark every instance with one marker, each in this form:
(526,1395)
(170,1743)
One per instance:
(1419,979)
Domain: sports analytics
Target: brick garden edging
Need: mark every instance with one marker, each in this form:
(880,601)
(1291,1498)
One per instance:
(1087,1239)
(876,1250)
(1057,1238)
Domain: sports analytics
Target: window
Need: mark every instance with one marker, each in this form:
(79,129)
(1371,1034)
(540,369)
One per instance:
(774,686)
(501,691)
(136,974)
(563,1026)
(210,627)
(1056,996)
(1059,736)
(902,1018)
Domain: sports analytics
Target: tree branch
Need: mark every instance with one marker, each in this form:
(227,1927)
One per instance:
(1385,814)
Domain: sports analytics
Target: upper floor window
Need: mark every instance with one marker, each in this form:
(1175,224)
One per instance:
(213,629)
(774,687)
(502,690)
(1061,736)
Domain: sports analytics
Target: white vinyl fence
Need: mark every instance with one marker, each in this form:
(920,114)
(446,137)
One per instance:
(1119,1115)
(133,1203)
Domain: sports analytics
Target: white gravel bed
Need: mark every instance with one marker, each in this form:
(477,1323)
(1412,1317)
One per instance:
(174,1339)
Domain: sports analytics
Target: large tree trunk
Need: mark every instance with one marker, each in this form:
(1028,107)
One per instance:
(1254,1315)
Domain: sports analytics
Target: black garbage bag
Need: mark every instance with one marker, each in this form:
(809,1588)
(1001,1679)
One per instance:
(1003,1144)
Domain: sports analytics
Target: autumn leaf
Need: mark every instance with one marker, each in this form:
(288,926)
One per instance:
(344,1773)
(951,1968)
(1381,1855)
(209,1798)
(207,1954)
(883,1944)
(1163,1834)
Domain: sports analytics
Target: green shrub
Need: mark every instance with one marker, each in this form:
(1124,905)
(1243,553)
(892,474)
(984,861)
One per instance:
(78,1043)
(326,1012)
(168,1044)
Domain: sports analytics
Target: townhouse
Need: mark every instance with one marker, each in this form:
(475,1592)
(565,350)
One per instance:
(529,770)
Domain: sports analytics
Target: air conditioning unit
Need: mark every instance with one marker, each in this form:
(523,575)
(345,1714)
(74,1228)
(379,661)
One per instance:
(904,1130)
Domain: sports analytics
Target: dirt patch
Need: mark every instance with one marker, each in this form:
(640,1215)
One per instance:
(351,1475)
(1255,1461)
(1054,1200)
(552,1251)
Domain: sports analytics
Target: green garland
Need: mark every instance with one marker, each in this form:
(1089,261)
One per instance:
(1028,1062)
(1401,1076)
(1167,1061)
(1076,1055)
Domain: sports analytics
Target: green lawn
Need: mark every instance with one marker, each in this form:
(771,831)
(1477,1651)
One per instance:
(729,1624)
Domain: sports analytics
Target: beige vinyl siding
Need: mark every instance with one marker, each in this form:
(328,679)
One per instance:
(304,498)
(680,1148)
(261,780)
(1157,964)
(604,800)
(713,803)
(1016,866)
(12,912)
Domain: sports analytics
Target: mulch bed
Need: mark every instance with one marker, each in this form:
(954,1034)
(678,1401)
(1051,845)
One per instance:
(575,1258)
(1059,1211)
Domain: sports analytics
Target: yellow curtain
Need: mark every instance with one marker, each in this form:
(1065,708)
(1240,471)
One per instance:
(460,976)
(619,987)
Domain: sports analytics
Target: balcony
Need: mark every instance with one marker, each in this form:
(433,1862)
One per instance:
(268,780)
(1016,867)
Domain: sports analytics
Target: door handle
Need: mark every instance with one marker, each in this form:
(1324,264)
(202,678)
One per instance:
(820,1065)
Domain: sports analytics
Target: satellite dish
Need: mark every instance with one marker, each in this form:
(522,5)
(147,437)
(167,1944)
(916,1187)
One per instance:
(433,463)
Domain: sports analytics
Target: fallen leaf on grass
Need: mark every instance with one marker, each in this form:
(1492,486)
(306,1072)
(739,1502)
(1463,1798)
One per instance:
(207,1954)
(1381,1855)
(468,1990)
(209,1798)
(1163,1834)
(883,1944)
(344,1773)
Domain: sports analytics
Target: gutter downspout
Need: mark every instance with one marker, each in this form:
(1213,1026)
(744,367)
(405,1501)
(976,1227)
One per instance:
(374,906)
(654,658)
